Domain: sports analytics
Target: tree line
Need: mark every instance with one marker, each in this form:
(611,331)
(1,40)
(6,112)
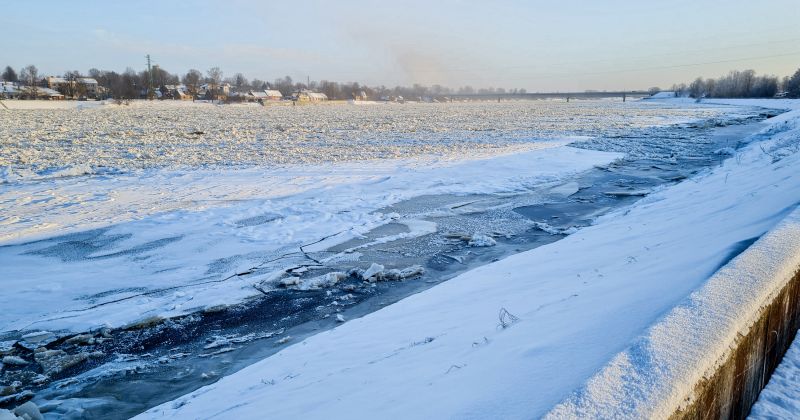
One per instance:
(741,84)
(132,84)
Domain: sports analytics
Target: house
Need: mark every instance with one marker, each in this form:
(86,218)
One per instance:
(57,83)
(273,94)
(179,92)
(309,96)
(360,96)
(223,89)
(182,95)
(42,93)
(9,90)
(92,87)
(256,95)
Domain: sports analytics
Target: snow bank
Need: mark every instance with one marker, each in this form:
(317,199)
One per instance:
(654,377)
(577,303)
(662,95)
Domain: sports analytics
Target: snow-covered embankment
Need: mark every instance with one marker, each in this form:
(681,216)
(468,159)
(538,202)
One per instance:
(515,338)
(714,352)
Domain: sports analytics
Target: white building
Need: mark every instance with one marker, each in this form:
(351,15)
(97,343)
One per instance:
(273,94)
(309,96)
(9,90)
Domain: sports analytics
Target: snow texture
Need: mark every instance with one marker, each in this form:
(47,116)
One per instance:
(514,338)
(780,399)
(124,237)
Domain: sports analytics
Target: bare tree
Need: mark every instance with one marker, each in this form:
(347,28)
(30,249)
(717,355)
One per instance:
(697,89)
(214,77)
(284,85)
(257,84)
(30,76)
(192,80)
(74,88)
(793,85)
(240,81)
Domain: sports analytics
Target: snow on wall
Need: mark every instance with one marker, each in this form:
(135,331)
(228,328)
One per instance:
(514,338)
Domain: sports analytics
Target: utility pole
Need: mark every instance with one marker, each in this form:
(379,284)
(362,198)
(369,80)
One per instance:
(150,92)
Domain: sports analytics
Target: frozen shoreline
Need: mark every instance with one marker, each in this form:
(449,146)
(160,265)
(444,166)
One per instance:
(630,272)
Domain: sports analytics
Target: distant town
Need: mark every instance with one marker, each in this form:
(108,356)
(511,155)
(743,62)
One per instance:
(157,83)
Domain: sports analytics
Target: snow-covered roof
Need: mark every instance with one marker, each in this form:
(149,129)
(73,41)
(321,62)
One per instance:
(49,92)
(8,87)
(312,95)
(259,94)
(88,81)
(54,79)
(179,88)
(273,93)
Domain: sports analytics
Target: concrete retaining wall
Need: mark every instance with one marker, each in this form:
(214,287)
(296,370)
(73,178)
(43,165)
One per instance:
(734,387)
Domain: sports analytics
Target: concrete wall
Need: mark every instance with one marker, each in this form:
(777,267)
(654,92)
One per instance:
(734,387)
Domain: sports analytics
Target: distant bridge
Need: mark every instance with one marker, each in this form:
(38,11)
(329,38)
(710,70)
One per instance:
(634,94)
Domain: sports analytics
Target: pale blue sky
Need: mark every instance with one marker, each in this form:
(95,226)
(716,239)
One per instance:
(538,45)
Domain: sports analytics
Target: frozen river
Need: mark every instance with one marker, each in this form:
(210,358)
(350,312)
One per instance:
(185,135)
(251,225)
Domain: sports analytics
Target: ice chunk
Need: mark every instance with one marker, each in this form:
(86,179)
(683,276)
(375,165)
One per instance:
(29,411)
(373,273)
(14,361)
(37,336)
(318,282)
(54,362)
(408,272)
(566,189)
(481,240)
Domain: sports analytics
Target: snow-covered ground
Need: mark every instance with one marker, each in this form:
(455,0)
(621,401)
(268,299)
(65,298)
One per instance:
(780,399)
(49,105)
(518,337)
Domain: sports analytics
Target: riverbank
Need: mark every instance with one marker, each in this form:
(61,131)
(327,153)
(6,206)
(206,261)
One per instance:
(491,332)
